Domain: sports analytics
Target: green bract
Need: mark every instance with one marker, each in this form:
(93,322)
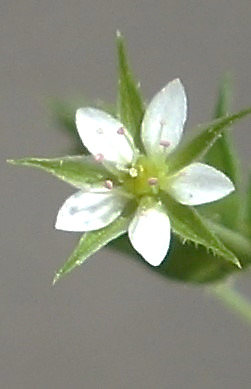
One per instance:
(138,180)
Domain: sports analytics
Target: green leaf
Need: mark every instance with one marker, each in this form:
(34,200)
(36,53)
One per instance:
(196,148)
(130,103)
(187,223)
(77,171)
(92,242)
(223,157)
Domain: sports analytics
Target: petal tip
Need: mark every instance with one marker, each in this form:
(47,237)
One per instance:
(177,80)
(155,262)
(60,224)
(149,234)
(231,186)
(177,83)
(77,114)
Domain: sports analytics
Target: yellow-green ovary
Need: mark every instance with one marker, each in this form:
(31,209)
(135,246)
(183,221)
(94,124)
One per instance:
(137,180)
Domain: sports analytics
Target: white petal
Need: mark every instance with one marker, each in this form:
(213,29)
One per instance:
(102,136)
(87,211)
(199,183)
(164,119)
(149,233)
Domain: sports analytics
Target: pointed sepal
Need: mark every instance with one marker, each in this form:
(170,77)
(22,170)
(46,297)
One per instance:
(130,102)
(77,171)
(92,242)
(190,226)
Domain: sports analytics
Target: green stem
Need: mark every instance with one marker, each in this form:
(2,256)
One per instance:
(234,300)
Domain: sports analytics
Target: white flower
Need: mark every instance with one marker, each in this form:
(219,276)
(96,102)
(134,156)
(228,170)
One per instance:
(140,176)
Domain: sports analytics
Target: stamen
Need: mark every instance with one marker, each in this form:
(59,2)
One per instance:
(100,131)
(164,143)
(121,131)
(99,157)
(108,184)
(152,181)
(133,172)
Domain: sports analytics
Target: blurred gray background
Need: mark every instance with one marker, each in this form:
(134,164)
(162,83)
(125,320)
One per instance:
(110,324)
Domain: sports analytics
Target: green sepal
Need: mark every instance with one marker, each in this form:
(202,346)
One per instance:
(196,265)
(223,157)
(76,170)
(129,102)
(184,262)
(190,226)
(91,242)
(198,146)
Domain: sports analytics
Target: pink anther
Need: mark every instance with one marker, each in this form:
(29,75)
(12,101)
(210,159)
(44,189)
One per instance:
(121,131)
(152,180)
(99,157)
(108,184)
(164,143)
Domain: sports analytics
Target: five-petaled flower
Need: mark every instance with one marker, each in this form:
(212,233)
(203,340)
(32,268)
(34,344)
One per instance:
(140,177)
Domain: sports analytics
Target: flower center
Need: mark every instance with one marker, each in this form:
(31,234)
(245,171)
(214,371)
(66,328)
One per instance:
(142,178)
